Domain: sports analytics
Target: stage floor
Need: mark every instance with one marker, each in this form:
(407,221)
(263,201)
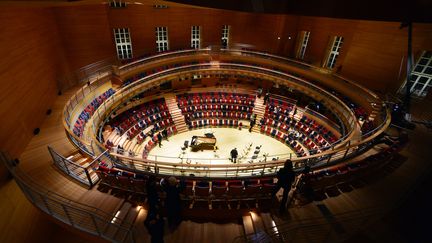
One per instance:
(227,139)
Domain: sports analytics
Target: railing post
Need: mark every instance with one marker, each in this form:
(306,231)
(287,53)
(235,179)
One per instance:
(88,177)
(264,167)
(65,165)
(95,224)
(331,155)
(346,152)
(67,215)
(46,204)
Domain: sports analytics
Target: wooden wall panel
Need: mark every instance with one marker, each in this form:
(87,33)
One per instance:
(85,34)
(322,30)
(373,52)
(377,57)
(259,31)
(31,59)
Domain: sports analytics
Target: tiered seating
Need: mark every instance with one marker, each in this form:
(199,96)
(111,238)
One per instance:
(135,120)
(143,121)
(215,108)
(330,180)
(217,193)
(359,111)
(123,181)
(229,193)
(89,110)
(278,123)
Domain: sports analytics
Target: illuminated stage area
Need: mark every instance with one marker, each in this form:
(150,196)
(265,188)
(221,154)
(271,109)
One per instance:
(227,139)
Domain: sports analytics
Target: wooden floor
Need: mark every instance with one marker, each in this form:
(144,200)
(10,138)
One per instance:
(21,222)
(227,139)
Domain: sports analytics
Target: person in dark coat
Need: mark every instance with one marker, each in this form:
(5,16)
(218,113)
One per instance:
(286,177)
(165,134)
(152,194)
(159,137)
(155,226)
(252,124)
(266,97)
(234,155)
(172,201)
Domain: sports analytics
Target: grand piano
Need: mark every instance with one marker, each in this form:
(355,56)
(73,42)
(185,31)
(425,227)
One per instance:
(203,142)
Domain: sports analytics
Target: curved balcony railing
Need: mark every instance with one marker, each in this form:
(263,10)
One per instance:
(330,156)
(77,215)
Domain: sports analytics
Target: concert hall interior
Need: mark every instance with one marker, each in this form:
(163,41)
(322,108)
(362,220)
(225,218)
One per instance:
(215,121)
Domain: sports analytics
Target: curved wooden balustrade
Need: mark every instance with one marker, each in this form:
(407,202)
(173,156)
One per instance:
(348,147)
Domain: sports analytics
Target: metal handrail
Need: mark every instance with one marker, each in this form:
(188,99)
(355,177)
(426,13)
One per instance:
(51,202)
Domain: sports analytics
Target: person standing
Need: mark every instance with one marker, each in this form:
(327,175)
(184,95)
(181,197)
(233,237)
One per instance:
(251,124)
(152,194)
(266,97)
(172,200)
(165,134)
(234,155)
(286,177)
(159,137)
(155,226)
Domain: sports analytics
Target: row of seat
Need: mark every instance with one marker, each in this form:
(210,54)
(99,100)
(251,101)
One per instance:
(89,110)
(218,114)
(215,122)
(305,123)
(210,98)
(148,113)
(216,108)
(321,181)
(158,123)
(285,138)
(359,111)
(310,138)
(226,191)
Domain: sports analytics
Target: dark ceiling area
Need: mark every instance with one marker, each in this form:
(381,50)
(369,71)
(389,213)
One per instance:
(382,10)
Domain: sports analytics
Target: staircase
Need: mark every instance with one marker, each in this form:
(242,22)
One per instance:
(123,221)
(259,110)
(259,227)
(83,161)
(175,112)
(376,109)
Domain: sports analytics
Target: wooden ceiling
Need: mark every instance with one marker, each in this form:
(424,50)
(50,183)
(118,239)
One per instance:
(382,10)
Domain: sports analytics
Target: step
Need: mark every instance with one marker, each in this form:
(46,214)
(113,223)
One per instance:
(248,225)
(110,229)
(122,213)
(257,222)
(127,223)
(82,161)
(269,224)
